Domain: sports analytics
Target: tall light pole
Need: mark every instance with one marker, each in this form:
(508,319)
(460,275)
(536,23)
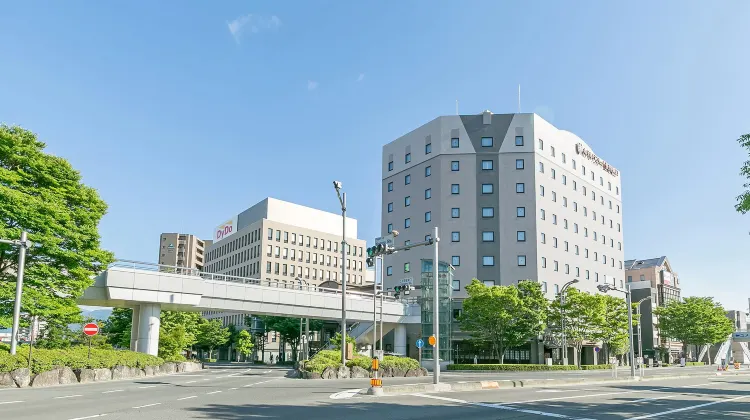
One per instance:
(342,199)
(640,321)
(435,311)
(22,245)
(562,320)
(604,288)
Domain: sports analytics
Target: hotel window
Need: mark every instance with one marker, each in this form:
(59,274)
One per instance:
(564,180)
(390,227)
(541,190)
(519,140)
(593,195)
(585,211)
(563,157)
(617,190)
(575,206)
(618,209)
(544,238)
(487,142)
(456,284)
(541,167)
(390,186)
(407,158)
(455,260)
(601,181)
(619,246)
(610,204)
(576,247)
(455,236)
(521,260)
(554,242)
(390,207)
(575,227)
(583,168)
(554,219)
(407,267)
(407,179)
(541,144)
(390,166)
(488,212)
(455,212)
(588,275)
(520,211)
(567,269)
(519,164)
(586,252)
(554,173)
(428,193)
(618,227)
(521,236)
(454,143)
(487,165)
(407,222)
(544,262)
(389,271)
(488,260)
(407,201)
(573,161)
(454,166)
(428,171)
(565,223)
(555,265)
(486,188)
(428,216)
(575,186)
(542,214)
(270,233)
(552,151)
(554,196)
(489,283)
(427,237)
(428,148)
(455,189)
(565,201)
(520,187)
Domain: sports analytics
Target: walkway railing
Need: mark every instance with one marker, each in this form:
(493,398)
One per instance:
(295,284)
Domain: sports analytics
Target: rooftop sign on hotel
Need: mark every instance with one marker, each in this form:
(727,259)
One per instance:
(594,158)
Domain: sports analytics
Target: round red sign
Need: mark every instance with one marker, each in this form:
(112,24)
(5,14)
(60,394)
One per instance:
(91,329)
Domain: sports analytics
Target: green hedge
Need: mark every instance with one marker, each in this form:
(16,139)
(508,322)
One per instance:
(75,358)
(332,359)
(519,367)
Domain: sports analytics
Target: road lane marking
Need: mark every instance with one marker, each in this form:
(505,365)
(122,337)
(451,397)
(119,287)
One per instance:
(147,405)
(190,382)
(692,407)
(345,394)
(693,386)
(572,397)
(147,386)
(258,383)
(68,396)
(232,389)
(116,390)
(655,398)
(187,398)
(213,392)
(501,407)
(89,417)
(10,402)
(207,379)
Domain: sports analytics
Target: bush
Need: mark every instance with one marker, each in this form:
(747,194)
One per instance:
(510,367)
(695,364)
(405,363)
(596,367)
(75,357)
(361,361)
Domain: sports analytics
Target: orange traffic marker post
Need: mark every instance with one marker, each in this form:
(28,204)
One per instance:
(376,384)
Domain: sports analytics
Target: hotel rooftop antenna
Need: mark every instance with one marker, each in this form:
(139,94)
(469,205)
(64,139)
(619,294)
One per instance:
(519,99)
(456,106)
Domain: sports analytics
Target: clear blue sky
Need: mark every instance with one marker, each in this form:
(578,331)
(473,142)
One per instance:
(272,98)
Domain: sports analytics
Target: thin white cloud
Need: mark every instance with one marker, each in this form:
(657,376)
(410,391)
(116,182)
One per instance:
(252,24)
(312,85)
(361,77)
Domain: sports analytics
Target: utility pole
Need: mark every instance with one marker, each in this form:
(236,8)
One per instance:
(342,200)
(435,311)
(22,245)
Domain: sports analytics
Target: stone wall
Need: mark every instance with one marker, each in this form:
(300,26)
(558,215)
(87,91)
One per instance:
(21,378)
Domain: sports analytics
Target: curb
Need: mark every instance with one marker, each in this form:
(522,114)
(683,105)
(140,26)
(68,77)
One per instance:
(529,383)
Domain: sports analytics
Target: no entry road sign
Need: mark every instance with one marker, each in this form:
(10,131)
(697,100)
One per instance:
(91,329)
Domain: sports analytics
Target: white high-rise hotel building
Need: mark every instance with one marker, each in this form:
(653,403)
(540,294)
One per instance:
(514,198)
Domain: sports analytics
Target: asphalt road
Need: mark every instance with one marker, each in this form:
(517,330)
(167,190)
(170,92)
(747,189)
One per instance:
(241,391)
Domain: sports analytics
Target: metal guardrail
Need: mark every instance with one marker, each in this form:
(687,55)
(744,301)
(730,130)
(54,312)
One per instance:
(297,284)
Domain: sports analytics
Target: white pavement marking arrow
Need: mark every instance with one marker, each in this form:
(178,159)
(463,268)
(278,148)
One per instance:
(345,394)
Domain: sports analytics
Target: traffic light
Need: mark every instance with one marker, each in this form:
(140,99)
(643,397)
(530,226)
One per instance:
(370,261)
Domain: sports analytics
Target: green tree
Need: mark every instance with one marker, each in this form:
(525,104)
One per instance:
(505,316)
(43,195)
(173,341)
(212,334)
(244,343)
(178,329)
(612,328)
(56,335)
(743,200)
(117,327)
(336,340)
(583,313)
(289,329)
(695,320)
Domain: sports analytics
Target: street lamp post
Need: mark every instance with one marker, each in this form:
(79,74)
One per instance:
(435,311)
(22,245)
(342,200)
(640,321)
(562,320)
(604,288)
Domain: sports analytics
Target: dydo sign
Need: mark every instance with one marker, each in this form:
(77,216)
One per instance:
(225,229)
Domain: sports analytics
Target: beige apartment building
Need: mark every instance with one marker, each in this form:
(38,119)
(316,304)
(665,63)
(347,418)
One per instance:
(657,283)
(286,244)
(182,250)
